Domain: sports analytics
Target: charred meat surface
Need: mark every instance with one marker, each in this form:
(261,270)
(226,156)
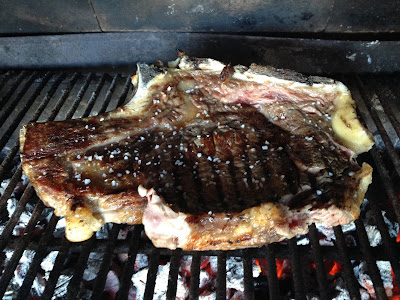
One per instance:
(208,156)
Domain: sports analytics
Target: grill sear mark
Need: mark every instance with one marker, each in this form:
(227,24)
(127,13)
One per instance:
(228,159)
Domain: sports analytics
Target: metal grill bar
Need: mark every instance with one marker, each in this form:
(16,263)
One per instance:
(9,189)
(39,255)
(367,97)
(10,267)
(94,96)
(75,283)
(319,262)
(27,105)
(173,273)
(195,276)
(39,110)
(79,96)
(56,271)
(273,282)
(62,98)
(13,87)
(110,91)
(127,87)
(106,262)
(248,275)
(5,77)
(384,92)
(372,267)
(125,279)
(379,164)
(26,196)
(351,281)
(5,164)
(297,269)
(152,274)
(388,242)
(221,276)
(6,112)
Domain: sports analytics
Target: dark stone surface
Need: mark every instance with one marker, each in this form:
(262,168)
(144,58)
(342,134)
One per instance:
(124,50)
(211,15)
(365,16)
(274,17)
(40,17)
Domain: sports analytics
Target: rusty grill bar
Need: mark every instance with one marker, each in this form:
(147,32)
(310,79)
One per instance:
(45,96)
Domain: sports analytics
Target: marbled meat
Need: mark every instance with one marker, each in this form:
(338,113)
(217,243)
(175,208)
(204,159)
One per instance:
(207,156)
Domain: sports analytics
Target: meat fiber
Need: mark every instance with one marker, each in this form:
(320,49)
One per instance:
(207,156)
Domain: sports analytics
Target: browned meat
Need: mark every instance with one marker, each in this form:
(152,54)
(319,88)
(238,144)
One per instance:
(208,156)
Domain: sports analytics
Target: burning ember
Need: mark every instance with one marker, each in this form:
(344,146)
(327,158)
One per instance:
(283,267)
(207,286)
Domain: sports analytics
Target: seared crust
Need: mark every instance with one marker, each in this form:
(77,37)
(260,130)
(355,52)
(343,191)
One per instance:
(84,216)
(260,225)
(65,161)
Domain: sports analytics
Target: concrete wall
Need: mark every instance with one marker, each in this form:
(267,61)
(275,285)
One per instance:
(22,17)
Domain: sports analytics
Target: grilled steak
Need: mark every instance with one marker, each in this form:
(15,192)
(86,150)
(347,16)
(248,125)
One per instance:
(207,156)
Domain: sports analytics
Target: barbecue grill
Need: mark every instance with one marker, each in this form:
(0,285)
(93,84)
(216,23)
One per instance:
(58,77)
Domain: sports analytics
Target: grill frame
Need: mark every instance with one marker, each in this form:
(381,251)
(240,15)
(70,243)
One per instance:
(104,86)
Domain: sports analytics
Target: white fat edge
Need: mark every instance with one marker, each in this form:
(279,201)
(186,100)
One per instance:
(352,134)
(174,63)
(173,225)
(103,215)
(113,140)
(290,84)
(206,64)
(143,94)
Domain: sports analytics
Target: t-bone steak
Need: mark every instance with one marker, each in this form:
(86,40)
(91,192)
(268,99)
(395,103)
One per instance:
(207,156)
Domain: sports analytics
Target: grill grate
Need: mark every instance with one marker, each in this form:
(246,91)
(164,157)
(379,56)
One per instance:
(45,96)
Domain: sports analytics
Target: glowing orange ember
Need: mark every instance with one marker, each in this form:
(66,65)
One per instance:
(262,265)
(283,267)
(279,268)
(258,264)
(332,267)
(336,268)
(398,237)
(395,290)
(313,265)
